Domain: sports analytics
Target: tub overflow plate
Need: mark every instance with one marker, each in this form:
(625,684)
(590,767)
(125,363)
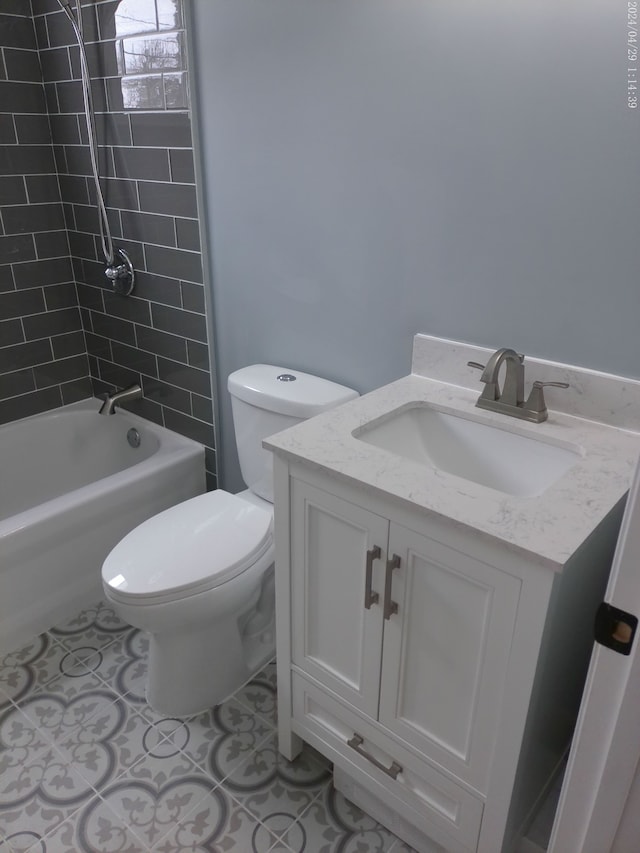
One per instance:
(133,437)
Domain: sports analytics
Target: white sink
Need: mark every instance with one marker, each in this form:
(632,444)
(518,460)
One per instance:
(500,459)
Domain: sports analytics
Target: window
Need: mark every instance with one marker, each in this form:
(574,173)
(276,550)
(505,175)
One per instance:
(151,52)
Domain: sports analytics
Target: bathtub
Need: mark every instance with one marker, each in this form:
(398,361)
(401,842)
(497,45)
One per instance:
(71,486)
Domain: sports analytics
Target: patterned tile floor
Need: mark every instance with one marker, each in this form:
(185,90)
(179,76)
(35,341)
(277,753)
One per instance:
(87,765)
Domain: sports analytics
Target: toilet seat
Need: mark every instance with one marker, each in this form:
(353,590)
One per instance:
(189,548)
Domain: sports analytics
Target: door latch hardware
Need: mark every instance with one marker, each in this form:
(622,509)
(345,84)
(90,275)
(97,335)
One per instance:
(615,628)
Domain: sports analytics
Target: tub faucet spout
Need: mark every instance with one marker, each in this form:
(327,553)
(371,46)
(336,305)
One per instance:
(133,392)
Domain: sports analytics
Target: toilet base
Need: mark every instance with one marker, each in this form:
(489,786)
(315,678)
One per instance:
(219,663)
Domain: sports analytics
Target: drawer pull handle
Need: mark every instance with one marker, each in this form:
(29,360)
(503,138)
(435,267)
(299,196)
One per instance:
(356,743)
(370,597)
(390,607)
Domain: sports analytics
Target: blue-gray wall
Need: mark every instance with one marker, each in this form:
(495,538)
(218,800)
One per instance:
(376,168)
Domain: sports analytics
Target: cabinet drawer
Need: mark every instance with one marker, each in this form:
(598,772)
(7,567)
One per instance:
(432,802)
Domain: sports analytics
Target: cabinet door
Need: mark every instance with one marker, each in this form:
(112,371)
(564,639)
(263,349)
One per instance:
(445,653)
(336,638)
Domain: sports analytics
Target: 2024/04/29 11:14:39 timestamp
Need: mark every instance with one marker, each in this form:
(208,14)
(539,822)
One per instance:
(632,54)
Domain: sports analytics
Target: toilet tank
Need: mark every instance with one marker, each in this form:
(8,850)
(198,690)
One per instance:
(266,399)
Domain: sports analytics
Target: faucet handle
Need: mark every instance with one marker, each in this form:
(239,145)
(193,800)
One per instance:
(536,406)
(538,384)
(476,364)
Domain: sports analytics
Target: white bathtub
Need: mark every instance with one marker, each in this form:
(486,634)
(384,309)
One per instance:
(71,486)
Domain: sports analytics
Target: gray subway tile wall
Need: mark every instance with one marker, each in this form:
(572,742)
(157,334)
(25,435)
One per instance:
(43,359)
(158,336)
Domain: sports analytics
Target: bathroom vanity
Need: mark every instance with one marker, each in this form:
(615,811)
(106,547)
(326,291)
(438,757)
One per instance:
(436,581)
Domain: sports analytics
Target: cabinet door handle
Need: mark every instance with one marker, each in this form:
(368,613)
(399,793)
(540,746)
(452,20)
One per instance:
(370,597)
(390,607)
(356,743)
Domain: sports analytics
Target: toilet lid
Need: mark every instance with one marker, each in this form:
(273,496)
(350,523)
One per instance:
(191,547)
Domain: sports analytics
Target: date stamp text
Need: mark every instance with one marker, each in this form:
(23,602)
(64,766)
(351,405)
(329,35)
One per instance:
(632,54)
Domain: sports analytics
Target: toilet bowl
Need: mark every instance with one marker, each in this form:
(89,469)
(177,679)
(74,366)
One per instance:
(199,577)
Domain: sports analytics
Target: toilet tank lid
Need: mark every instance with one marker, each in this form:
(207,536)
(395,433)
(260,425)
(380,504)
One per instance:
(287,391)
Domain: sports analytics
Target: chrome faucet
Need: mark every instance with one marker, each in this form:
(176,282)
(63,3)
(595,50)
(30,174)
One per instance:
(133,392)
(510,399)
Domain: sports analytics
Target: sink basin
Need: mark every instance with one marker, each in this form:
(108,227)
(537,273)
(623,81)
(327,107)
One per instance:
(500,459)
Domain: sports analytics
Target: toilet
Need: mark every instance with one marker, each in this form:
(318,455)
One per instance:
(199,577)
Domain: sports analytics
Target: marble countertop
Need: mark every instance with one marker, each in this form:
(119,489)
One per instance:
(549,527)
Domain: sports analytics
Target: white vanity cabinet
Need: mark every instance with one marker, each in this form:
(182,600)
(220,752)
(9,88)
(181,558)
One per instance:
(406,630)
(407,654)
